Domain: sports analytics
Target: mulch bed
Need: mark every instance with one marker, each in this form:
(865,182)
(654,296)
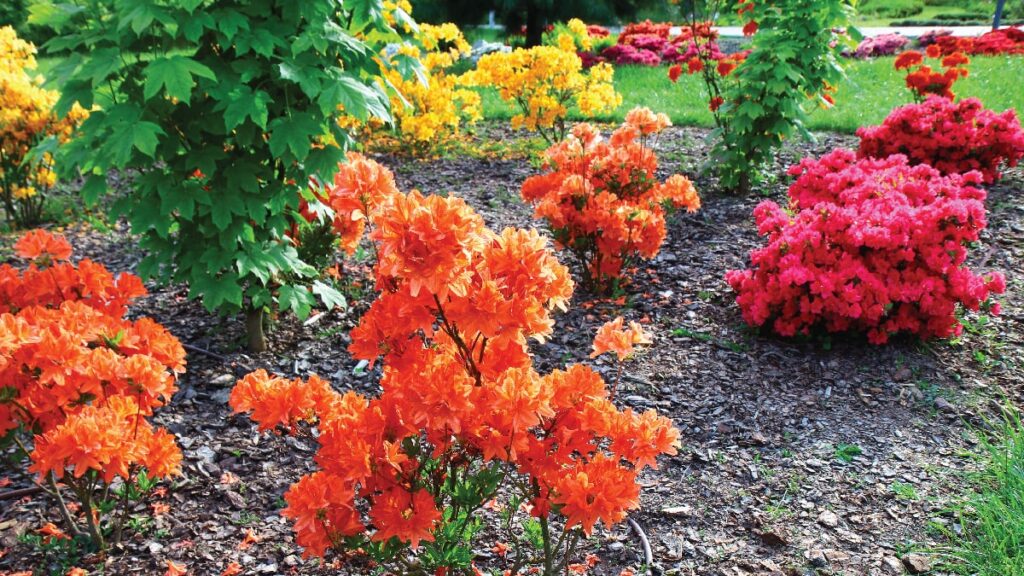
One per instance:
(759,487)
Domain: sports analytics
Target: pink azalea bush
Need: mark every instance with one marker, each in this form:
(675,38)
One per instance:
(628,54)
(871,245)
(952,137)
(883,45)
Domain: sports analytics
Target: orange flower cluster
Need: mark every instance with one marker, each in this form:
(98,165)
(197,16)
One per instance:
(457,304)
(78,374)
(612,337)
(51,280)
(602,199)
(924,81)
(359,186)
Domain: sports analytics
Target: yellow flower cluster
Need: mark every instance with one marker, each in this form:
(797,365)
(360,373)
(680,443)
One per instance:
(427,115)
(26,119)
(543,82)
(571,36)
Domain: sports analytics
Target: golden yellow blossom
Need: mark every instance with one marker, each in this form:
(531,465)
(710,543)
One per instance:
(427,115)
(26,119)
(543,82)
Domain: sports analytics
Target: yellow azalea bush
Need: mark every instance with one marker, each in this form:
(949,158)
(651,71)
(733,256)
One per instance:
(428,110)
(572,36)
(26,119)
(543,82)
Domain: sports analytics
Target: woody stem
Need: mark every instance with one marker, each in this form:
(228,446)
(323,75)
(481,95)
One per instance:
(85,496)
(65,514)
(464,351)
(546,535)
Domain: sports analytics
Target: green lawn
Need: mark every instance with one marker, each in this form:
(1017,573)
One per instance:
(870,91)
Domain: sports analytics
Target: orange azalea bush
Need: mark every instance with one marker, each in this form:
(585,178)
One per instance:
(80,377)
(601,197)
(463,417)
(359,187)
(923,81)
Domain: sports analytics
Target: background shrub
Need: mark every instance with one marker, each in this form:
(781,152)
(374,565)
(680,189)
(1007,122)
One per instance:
(891,8)
(954,138)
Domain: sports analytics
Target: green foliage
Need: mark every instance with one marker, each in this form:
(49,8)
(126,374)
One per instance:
(845,453)
(794,61)
(992,514)
(223,110)
(13,13)
(892,8)
(57,555)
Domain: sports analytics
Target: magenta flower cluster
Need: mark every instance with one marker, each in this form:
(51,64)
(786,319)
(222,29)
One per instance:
(869,245)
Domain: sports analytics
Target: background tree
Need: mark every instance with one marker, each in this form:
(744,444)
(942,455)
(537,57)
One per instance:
(221,110)
(533,14)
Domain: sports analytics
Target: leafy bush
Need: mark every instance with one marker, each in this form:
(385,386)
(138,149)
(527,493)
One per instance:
(463,418)
(953,138)
(892,8)
(29,132)
(793,63)
(224,112)
(602,199)
(82,379)
(874,245)
(543,82)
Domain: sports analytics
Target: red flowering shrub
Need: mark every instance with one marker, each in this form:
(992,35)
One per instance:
(645,28)
(80,377)
(953,138)
(930,37)
(1002,41)
(601,198)
(872,245)
(620,54)
(463,417)
(597,31)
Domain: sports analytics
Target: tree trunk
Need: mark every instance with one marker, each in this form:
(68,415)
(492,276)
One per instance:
(743,187)
(254,330)
(534,24)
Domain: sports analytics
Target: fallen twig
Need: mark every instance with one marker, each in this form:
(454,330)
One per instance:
(21,492)
(648,555)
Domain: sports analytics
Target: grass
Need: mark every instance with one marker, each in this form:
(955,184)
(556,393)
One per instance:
(992,540)
(872,88)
